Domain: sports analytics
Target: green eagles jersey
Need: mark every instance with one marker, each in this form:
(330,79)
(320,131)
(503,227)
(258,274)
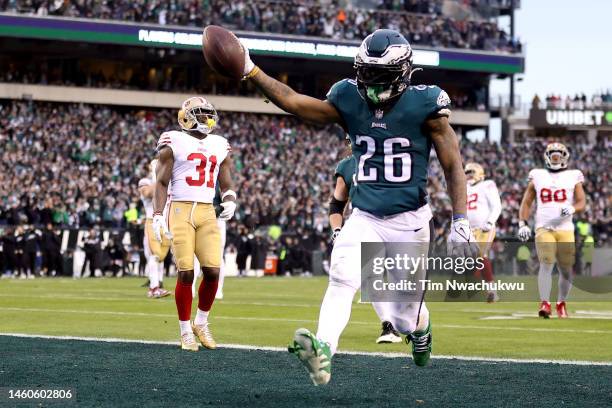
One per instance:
(346,170)
(391,150)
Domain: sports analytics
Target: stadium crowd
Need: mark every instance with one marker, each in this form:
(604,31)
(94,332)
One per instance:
(77,166)
(598,100)
(424,25)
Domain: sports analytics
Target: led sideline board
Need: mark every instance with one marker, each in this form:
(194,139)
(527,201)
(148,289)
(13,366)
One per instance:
(104,31)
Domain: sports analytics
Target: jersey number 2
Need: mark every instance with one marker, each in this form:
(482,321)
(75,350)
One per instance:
(371,173)
(201,169)
(472,201)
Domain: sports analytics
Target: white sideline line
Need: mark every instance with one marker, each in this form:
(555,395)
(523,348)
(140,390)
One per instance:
(276,319)
(282,349)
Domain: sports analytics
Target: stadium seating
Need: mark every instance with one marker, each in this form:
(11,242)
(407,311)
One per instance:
(78,165)
(429,27)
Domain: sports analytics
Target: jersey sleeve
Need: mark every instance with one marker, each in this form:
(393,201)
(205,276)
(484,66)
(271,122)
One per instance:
(334,93)
(344,170)
(143,182)
(224,148)
(438,102)
(579,177)
(532,175)
(164,140)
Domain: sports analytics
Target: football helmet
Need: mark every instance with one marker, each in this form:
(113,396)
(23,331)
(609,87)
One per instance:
(197,114)
(474,173)
(383,66)
(556,156)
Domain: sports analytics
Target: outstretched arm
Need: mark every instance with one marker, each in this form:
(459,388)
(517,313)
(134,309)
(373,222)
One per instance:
(447,149)
(303,106)
(163,175)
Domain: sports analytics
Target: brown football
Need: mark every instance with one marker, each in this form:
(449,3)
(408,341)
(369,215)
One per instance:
(223,51)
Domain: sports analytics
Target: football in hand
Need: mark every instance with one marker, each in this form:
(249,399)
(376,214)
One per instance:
(223,51)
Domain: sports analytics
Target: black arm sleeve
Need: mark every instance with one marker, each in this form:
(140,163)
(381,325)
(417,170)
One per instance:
(336,206)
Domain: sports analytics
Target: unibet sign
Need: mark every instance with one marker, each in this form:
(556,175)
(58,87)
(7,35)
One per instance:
(575,117)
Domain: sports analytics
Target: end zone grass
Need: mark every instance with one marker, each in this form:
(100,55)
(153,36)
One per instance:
(265,312)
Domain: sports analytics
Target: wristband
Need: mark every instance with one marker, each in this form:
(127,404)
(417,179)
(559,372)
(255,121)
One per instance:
(158,213)
(228,193)
(251,74)
(457,217)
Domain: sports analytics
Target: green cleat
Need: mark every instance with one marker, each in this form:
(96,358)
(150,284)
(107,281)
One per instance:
(314,354)
(421,346)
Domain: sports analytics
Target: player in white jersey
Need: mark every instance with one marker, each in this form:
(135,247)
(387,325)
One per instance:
(194,160)
(559,194)
(483,210)
(155,251)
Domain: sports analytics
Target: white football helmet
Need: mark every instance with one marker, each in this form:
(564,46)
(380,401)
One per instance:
(197,114)
(556,156)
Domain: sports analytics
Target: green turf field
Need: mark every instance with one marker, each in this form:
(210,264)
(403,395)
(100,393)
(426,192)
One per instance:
(265,312)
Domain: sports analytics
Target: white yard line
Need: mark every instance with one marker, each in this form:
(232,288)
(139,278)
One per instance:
(282,349)
(279,319)
(143,298)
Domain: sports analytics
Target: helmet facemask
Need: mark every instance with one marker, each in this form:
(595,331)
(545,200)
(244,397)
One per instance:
(474,173)
(198,115)
(381,83)
(556,157)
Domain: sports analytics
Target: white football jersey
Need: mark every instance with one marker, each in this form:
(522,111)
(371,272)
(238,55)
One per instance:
(147,203)
(483,203)
(554,191)
(196,164)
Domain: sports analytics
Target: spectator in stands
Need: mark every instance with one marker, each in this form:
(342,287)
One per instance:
(421,20)
(89,178)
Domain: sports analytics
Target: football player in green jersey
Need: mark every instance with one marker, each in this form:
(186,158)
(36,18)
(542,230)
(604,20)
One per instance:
(343,175)
(392,127)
